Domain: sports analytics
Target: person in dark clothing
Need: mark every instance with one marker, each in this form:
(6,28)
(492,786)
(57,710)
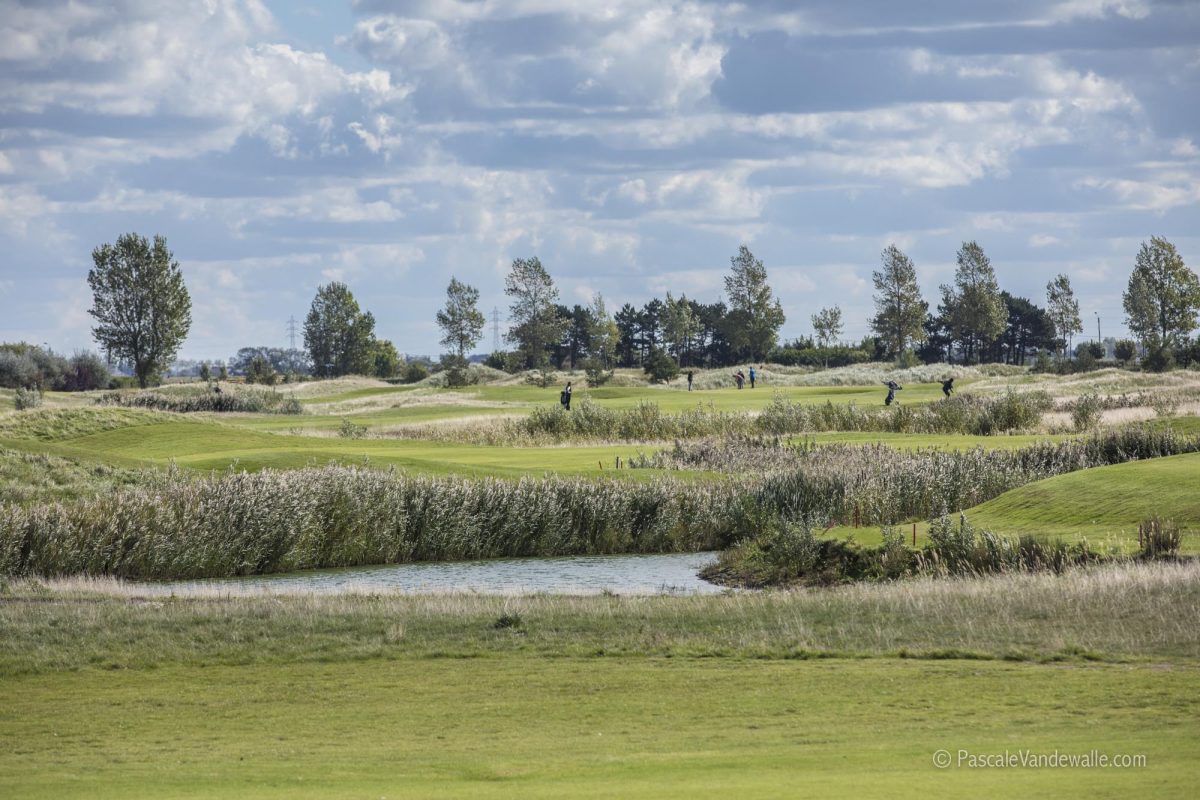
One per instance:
(893,387)
(948,386)
(740,378)
(753,376)
(689,380)
(565,397)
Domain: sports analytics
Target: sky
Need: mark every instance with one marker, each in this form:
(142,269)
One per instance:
(632,146)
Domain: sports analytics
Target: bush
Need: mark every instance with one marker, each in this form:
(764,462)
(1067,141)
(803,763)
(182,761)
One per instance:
(1160,538)
(415,372)
(85,372)
(907,360)
(1086,413)
(26,399)
(818,356)
(596,374)
(1159,359)
(202,398)
(18,371)
(1085,361)
(660,367)
(456,371)
(1042,362)
(260,371)
(497,359)
(1125,350)
(351,430)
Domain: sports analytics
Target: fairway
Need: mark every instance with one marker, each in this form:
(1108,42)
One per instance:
(1108,502)
(623,728)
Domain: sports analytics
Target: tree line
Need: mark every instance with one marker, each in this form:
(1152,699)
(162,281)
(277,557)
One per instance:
(143,314)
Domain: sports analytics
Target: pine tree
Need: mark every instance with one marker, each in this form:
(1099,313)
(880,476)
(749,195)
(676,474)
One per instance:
(900,311)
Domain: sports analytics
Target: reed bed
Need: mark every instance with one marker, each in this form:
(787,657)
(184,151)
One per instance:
(242,523)
(202,398)
(238,523)
(878,485)
(589,421)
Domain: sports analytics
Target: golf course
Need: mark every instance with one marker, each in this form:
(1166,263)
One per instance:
(112,688)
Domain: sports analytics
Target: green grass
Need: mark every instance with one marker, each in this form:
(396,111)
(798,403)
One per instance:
(131,438)
(1101,503)
(846,692)
(530,728)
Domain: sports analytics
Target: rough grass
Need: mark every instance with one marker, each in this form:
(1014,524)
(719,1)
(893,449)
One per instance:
(1120,612)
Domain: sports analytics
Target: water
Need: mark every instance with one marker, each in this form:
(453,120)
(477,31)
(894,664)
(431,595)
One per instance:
(673,573)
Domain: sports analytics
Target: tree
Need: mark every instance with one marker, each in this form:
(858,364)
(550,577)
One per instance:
(141,305)
(755,316)
(461,320)
(536,324)
(385,359)
(1125,350)
(900,311)
(205,372)
(660,367)
(827,325)
(1028,327)
(604,335)
(338,335)
(680,326)
(626,320)
(1163,296)
(977,314)
(1063,309)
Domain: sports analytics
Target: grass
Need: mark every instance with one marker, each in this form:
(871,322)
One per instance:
(531,728)
(1117,613)
(1102,503)
(107,693)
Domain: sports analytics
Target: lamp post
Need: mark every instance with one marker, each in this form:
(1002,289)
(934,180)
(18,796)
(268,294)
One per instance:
(1099,341)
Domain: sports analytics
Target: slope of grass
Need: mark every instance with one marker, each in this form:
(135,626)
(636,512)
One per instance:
(1101,503)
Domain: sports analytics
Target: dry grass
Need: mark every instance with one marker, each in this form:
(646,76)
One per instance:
(1117,612)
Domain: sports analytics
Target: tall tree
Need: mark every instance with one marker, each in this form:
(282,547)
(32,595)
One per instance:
(339,336)
(755,316)
(1063,309)
(1028,327)
(977,314)
(604,336)
(461,320)
(900,311)
(536,325)
(680,327)
(141,305)
(1163,296)
(626,320)
(827,325)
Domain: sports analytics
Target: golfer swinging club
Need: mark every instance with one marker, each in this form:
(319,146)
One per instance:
(893,387)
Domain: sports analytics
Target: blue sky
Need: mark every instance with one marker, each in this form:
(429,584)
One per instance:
(632,146)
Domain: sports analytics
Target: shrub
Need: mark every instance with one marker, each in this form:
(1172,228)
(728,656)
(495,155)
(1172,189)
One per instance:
(260,371)
(1086,413)
(1160,538)
(414,372)
(203,398)
(1085,360)
(351,430)
(456,371)
(596,374)
(26,399)
(660,367)
(85,372)
(205,372)
(1125,350)
(497,359)
(907,360)
(1159,359)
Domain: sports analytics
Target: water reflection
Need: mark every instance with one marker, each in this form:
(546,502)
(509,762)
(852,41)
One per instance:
(673,573)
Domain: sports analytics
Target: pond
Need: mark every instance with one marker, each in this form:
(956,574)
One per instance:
(671,573)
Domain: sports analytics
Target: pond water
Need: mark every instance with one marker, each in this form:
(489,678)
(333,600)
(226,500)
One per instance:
(673,573)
